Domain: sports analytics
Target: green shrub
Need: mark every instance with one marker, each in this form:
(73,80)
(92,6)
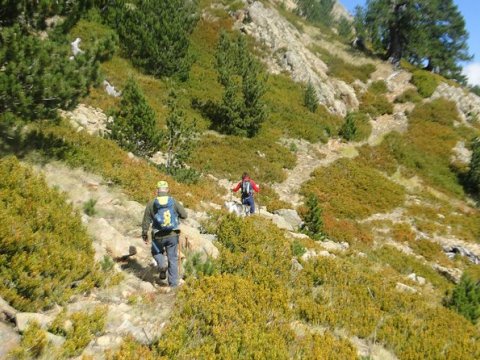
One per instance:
(298,249)
(38,224)
(350,189)
(85,326)
(375,104)
(343,70)
(378,87)
(230,156)
(196,266)
(310,100)
(425,81)
(356,127)
(89,207)
(473,175)
(409,95)
(291,118)
(465,299)
(33,343)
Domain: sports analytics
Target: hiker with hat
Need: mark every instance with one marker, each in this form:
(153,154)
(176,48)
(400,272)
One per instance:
(248,187)
(164,213)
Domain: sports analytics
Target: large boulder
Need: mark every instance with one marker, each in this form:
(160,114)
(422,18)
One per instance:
(291,217)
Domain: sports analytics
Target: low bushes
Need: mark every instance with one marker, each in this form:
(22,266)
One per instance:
(425,81)
(352,190)
(137,177)
(44,247)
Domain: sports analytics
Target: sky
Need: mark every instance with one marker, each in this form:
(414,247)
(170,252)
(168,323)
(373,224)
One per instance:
(470,10)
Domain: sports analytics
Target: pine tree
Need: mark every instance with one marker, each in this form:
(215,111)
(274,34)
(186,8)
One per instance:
(180,137)
(155,34)
(474,173)
(428,31)
(348,129)
(134,125)
(313,222)
(37,77)
(465,299)
(242,110)
(310,100)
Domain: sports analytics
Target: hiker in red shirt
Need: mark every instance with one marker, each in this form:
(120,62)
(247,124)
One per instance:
(248,186)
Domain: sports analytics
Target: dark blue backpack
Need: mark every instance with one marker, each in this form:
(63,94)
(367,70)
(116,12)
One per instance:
(166,218)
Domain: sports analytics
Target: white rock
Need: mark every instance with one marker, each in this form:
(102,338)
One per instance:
(76,47)
(9,340)
(310,253)
(104,341)
(405,288)
(55,340)
(6,310)
(22,319)
(325,253)
(290,216)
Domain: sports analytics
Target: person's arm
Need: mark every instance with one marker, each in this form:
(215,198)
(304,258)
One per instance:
(255,186)
(147,219)
(182,214)
(236,188)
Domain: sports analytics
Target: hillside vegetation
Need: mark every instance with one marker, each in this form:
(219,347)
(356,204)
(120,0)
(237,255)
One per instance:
(385,267)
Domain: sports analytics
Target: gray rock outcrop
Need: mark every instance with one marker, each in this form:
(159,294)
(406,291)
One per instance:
(290,50)
(468,104)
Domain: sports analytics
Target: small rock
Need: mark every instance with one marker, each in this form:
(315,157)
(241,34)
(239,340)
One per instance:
(310,253)
(291,217)
(361,255)
(6,311)
(55,340)
(453,275)
(296,266)
(334,246)
(405,288)
(146,287)
(9,340)
(22,320)
(325,253)
(104,341)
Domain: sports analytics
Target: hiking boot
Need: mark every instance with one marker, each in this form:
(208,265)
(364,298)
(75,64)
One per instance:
(163,274)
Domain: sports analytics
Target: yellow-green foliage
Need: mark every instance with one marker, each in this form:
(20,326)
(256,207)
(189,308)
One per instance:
(255,249)
(290,118)
(342,294)
(137,177)
(231,156)
(228,317)
(44,246)
(346,230)
(85,326)
(33,344)
(378,87)
(269,198)
(375,104)
(362,125)
(353,190)
(406,264)
(425,149)
(426,82)
(343,70)
(130,350)
(409,95)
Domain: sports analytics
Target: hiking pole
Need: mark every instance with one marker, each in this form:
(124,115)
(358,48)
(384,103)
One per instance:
(179,254)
